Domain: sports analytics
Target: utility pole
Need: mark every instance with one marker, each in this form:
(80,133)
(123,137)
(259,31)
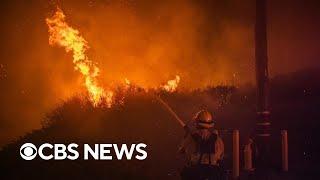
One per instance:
(262,133)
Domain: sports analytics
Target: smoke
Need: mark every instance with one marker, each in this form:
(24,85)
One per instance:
(148,42)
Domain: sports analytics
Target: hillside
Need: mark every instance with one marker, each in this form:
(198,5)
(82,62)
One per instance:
(294,101)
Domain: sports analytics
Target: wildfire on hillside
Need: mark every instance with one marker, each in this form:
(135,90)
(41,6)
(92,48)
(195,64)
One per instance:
(61,34)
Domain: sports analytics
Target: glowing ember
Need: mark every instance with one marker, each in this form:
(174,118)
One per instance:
(172,85)
(63,35)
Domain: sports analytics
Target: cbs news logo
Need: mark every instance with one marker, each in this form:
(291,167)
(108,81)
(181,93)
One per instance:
(29,151)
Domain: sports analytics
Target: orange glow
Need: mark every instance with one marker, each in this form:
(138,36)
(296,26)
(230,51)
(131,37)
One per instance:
(63,35)
(172,85)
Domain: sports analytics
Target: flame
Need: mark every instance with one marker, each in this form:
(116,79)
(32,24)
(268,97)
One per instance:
(172,85)
(65,36)
(127,81)
(127,84)
(61,34)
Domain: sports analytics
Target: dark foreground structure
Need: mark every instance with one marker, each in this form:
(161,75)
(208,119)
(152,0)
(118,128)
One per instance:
(262,133)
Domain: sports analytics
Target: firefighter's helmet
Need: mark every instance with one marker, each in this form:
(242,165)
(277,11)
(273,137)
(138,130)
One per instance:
(204,119)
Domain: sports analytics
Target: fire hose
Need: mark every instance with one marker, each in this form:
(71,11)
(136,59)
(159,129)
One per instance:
(180,121)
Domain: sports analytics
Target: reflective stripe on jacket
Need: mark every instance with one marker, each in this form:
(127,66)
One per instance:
(193,156)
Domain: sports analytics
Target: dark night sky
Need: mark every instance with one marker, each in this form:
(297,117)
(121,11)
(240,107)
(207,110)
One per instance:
(205,41)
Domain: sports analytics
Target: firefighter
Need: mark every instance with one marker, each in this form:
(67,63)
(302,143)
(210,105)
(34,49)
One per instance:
(203,149)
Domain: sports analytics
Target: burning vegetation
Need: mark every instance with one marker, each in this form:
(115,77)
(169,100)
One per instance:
(61,34)
(172,85)
(69,38)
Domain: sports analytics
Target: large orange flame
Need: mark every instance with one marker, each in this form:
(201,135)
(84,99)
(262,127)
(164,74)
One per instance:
(63,35)
(69,38)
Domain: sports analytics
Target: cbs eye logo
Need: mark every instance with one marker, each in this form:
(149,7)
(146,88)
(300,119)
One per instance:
(28,151)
